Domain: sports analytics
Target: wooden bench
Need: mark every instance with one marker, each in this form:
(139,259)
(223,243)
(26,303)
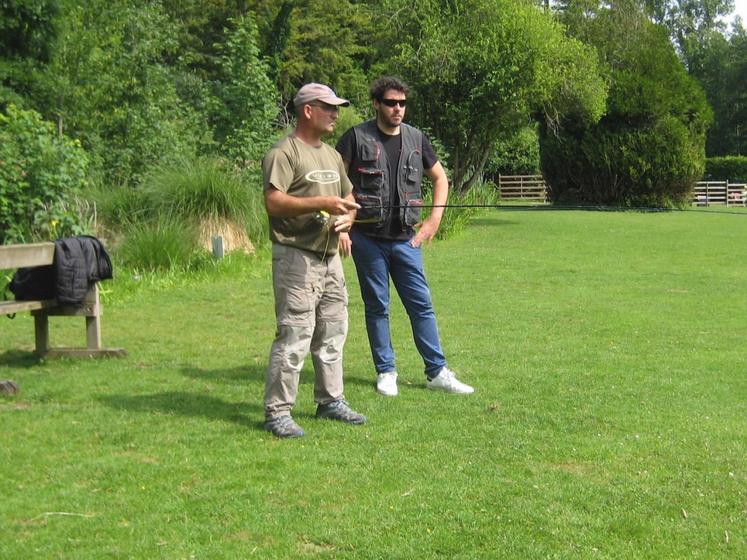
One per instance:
(41,254)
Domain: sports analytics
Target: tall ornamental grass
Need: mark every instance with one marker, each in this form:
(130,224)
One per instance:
(149,221)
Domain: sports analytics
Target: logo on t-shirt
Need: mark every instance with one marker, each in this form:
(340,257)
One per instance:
(323,176)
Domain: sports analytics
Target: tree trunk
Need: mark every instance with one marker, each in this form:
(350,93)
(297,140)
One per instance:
(477,171)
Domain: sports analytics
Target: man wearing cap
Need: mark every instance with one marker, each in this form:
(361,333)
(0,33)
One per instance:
(386,160)
(309,201)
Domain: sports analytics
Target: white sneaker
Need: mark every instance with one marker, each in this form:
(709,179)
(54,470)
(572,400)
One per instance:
(386,384)
(446,381)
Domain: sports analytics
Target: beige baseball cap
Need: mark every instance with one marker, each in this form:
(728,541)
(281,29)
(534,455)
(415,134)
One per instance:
(318,92)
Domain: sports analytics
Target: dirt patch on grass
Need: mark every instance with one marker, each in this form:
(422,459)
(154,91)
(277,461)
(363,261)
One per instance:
(234,236)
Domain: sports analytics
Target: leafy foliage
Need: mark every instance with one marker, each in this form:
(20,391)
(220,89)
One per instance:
(723,74)
(649,147)
(319,48)
(480,67)
(517,154)
(247,100)
(40,175)
(115,93)
(731,168)
(27,28)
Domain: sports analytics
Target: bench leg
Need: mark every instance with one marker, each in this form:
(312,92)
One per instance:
(41,331)
(93,332)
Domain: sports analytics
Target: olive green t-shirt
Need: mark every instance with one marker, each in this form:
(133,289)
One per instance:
(299,169)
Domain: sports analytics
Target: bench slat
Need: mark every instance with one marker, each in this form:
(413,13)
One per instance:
(33,254)
(10,307)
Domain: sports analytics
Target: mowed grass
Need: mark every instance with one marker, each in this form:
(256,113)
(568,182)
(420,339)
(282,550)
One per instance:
(610,418)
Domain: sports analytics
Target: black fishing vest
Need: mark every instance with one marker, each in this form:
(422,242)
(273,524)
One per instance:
(372,185)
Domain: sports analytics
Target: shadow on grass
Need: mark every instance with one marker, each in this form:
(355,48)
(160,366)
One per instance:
(193,405)
(241,375)
(19,358)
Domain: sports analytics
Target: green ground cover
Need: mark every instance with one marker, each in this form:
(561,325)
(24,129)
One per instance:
(610,418)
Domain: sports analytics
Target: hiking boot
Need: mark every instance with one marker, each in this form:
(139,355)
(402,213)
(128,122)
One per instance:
(339,410)
(446,381)
(283,427)
(386,384)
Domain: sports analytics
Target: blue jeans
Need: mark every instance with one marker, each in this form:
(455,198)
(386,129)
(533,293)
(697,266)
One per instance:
(375,261)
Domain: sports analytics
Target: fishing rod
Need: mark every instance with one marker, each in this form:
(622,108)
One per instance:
(325,217)
(552,207)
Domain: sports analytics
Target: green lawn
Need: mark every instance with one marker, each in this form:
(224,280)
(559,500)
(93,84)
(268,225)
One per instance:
(608,350)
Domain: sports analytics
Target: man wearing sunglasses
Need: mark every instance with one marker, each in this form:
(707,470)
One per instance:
(309,202)
(385,161)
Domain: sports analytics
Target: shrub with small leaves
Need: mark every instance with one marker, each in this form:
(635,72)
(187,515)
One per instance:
(41,173)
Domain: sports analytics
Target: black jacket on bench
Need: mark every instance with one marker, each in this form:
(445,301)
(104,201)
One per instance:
(79,262)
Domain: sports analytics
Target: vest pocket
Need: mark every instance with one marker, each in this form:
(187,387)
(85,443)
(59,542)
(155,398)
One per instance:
(369,151)
(372,179)
(413,207)
(371,210)
(413,168)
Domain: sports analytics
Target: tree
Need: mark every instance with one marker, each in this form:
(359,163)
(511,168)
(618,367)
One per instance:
(691,24)
(27,33)
(649,146)
(480,68)
(115,92)
(318,48)
(247,100)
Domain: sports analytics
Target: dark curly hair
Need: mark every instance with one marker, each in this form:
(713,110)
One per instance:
(380,86)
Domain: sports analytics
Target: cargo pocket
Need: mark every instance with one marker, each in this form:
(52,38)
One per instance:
(294,304)
(370,151)
(371,210)
(413,208)
(372,179)
(414,168)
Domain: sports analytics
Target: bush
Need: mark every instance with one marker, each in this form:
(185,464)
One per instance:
(41,173)
(727,168)
(207,188)
(205,196)
(649,147)
(517,154)
(158,246)
(653,165)
(347,119)
(245,107)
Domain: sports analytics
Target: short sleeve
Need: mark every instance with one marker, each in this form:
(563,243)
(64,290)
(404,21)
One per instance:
(346,145)
(277,170)
(429,154)
(346,187)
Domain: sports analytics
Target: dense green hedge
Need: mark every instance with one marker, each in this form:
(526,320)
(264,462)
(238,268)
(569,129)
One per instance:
(731,168)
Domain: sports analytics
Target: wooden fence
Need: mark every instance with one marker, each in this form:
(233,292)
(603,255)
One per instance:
(522,187)
(707,193)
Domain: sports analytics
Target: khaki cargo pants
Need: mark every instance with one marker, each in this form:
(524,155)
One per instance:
(311,309)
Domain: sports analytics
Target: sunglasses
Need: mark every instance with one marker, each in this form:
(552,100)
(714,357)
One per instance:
(394,102)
